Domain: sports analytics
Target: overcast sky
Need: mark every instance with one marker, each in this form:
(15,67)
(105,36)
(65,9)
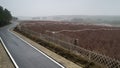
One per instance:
(61,7)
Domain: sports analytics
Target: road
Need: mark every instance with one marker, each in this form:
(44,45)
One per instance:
(24,55)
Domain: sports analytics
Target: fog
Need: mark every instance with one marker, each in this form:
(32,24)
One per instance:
(35,8)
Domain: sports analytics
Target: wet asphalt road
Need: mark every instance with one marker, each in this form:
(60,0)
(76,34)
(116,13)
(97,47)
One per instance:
(24,55)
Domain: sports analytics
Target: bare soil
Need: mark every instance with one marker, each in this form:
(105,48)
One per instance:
(101,39)
(5,61)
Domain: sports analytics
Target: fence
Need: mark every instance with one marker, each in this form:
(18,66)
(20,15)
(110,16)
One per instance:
(91,56)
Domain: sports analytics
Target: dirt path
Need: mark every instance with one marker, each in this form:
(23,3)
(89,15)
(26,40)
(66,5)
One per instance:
(60,59)
(81,30)
(5,61)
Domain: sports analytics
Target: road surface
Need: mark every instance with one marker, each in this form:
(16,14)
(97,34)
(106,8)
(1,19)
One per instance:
(24,55)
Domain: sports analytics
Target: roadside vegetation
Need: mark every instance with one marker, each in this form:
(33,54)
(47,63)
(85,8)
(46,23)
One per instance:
(61,51)
(100,39)
(5,16)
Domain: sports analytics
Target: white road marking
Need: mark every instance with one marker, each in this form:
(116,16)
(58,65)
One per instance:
(38,50)
(15,64)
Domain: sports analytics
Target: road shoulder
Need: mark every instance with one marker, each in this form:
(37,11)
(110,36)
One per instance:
(5,61)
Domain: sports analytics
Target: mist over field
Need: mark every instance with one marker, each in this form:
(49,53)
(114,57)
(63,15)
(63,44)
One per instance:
(83,19)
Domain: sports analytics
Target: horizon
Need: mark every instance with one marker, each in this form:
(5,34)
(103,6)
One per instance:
(72,15)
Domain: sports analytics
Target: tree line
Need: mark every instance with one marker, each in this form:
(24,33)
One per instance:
(5,16)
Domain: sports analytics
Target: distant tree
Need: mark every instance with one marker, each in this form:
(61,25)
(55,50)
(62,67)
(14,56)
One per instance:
(1,16)
(14,18)
(5,16)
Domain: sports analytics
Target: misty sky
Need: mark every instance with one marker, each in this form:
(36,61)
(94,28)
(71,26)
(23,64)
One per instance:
(61,7)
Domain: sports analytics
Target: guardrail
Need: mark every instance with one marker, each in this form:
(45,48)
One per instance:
(13,61)
(91,56)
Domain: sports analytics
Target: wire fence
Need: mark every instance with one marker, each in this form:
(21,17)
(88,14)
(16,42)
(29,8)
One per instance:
(91,56)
